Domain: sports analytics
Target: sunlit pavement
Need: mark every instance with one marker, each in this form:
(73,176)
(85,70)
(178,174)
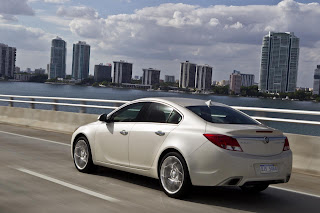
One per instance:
(38,175)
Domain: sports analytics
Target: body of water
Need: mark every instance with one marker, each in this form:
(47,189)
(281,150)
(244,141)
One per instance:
(73,91)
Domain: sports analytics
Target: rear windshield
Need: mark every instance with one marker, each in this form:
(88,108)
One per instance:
(221,115)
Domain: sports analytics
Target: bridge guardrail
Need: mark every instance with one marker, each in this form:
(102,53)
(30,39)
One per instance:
(11,99)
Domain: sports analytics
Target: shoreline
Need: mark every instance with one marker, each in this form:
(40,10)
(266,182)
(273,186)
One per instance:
(167,91)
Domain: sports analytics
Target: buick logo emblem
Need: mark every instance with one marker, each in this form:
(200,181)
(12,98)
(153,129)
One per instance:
(266,140)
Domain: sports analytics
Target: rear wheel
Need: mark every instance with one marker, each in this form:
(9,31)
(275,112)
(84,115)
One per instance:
(82,156)
(254,188)
(174,175)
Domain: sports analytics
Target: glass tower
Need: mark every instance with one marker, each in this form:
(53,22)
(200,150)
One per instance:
(80,60)
(57,65)
(279,62)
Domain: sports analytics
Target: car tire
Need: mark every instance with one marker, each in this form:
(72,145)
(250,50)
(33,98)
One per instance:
(254,188)
(82,156)
(174,175)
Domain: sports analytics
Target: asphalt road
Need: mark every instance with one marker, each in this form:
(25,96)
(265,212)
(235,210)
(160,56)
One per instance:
(38,175)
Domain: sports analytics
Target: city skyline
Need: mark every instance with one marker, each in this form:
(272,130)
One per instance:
(226,42)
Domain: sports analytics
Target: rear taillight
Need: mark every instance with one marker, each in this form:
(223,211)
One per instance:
(224,142)
(286,146)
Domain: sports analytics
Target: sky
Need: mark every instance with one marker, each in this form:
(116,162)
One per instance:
(226,34)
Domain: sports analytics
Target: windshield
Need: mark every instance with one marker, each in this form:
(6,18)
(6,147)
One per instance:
(221,114)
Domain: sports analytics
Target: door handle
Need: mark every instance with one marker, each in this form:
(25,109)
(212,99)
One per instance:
(160,133)
(123,132)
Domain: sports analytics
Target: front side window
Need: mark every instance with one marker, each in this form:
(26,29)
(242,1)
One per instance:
(128,114)
(221,114)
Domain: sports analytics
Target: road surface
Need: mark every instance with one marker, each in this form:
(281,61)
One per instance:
(38,175)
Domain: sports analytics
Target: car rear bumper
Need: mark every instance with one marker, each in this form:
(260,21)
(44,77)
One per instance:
(212,166)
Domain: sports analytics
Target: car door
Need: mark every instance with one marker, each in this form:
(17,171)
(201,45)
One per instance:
(112,138)
(149,133)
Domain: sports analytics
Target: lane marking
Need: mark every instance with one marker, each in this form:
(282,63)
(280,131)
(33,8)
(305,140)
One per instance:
(294,191)
(68,185)
(34,138)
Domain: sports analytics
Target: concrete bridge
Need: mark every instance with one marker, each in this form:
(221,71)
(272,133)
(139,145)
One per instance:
(38,175)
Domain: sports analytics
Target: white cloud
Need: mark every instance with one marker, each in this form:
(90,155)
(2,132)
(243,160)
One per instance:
(51,1)
(77,12)
(56,1)
(227,37)
(26,38)
(15,7)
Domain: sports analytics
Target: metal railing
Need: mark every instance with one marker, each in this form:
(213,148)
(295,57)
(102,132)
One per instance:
(11,99)
(55,102)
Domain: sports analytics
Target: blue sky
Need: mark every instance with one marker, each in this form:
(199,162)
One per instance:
(161,34)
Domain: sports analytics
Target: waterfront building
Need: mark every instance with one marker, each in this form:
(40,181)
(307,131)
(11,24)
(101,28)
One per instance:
(102,72)
(122,72)
(247,80)
(7,60)
(235,82)
(150,76)
(40,71)
(80,61)
(316,81)
(23,76)
(203,77)
(169,78)
(57,66)
(17,70)
(279,62)
(136,86)
(136,77)
(187,74)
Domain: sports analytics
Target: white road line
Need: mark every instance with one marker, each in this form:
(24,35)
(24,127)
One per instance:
(25,136)
(294,191)
(71,186)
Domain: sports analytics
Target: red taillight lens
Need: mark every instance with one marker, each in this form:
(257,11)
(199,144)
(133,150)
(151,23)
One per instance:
(286,146)
(224,142)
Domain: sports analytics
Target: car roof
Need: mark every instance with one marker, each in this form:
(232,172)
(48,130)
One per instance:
(184,102)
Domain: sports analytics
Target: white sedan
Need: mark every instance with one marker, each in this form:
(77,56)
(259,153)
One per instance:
(184,142)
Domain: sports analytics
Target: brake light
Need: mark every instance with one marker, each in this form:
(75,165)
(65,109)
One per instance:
(286,146)
(224,142)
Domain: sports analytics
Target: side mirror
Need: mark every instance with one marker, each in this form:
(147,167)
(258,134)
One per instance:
(104,118)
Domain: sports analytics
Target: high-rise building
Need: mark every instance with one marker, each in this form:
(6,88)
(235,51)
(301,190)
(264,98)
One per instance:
(57,66)
(102,72)
(316,81)
(80,60)
(17,70)
(247,80)
(187,74)
(7,60)
(235,82)
(122,72)
(169,78)
(279,62)
(203,77)
(40,71)
(151,76)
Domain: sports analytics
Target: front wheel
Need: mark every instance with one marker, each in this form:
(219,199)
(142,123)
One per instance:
(254,188)
(174,175)
(82,155)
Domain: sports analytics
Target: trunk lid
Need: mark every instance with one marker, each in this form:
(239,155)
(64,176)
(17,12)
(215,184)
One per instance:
(254,139)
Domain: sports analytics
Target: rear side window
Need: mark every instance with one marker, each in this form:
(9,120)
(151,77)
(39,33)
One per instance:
(221,114)
(160,113)
(174,118)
